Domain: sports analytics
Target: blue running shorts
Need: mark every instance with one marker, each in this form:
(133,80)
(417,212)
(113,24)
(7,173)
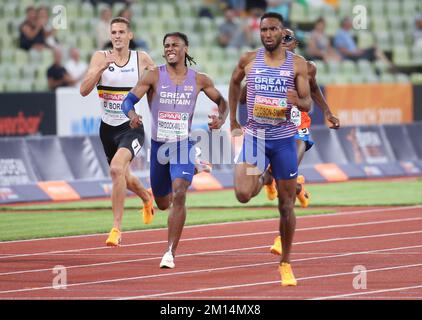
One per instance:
(170,161)
(280,154)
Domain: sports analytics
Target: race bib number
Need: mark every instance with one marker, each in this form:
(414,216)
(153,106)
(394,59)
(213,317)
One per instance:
(295,116)
(269,110)
(112,103)
(172,125)
(303,132)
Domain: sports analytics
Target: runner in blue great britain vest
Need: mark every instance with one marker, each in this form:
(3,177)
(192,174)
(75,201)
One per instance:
(276,80)
(172,90)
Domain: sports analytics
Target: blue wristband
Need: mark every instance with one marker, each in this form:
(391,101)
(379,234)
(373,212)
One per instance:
(128,103)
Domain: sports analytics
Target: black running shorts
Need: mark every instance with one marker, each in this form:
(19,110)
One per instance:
(122,136)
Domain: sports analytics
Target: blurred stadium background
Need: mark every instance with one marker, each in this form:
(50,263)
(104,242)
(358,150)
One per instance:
(52,135)
(390,26)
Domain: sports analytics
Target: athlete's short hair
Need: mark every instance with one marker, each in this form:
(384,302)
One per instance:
(274,15)
(120,20)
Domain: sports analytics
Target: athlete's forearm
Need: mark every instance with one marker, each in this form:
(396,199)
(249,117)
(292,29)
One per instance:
(234,92)
(90,80)
(128,105)
(304,104)
(223,111)
(319,98)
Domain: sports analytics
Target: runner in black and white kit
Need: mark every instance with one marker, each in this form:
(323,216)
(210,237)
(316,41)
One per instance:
(114,73)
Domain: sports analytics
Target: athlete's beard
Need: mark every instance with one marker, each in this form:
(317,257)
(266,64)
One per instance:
(272,48)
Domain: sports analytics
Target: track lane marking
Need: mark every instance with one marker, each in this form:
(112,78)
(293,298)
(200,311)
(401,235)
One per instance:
(7,255)
(159,275)
(330,275)
(342,213)
(366,293)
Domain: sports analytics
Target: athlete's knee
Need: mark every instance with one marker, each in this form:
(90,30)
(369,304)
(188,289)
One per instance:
(286,206)
(116,171)
(179,196)
(163,205)
(243,196)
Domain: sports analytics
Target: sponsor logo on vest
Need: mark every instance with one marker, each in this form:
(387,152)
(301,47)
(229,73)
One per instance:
(127,70)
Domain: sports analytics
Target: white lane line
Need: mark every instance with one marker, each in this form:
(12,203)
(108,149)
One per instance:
(215,252)
(342,213)
(6,256)
(160,275)
(243,285)
(366,293)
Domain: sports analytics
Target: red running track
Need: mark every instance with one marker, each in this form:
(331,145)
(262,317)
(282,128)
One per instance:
(228,261)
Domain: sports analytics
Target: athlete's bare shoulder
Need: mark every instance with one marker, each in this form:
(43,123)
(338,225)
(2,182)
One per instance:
(297,58)
(145,61)
(247,58)
(154,70)
(312,68)
(150,76)
(299,64)
(99,55)
(203,80)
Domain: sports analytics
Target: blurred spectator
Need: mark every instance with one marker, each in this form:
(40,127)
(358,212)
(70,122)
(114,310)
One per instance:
(125,13)
(111,2)
(282,7)
(237,5)
(346,45)
(417,31)
(253,31)
(103,28)
(31,32)
(135,43)
(228,29)
(319,46)
(49,31)
(205,10)
(75,66)
(246,34)
(57,75)
(252,4)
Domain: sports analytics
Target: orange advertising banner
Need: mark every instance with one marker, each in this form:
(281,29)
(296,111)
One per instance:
(59,190)
(369,104)
(205,181)
(331,172)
